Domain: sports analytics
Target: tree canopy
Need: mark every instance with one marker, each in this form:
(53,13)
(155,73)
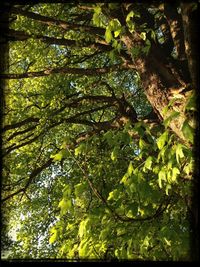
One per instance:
(99,120)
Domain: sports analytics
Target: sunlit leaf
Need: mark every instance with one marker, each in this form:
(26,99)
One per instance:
(54,234)
(114,153)
(161,177)
(168,187)
(65,205)
(108,35)
(179,152)
(161,141)
(57,157)
(130,168)
(188,131)
(191,103)
(175,172)
(148,163)
(130,15)
(143,35)
(80,149)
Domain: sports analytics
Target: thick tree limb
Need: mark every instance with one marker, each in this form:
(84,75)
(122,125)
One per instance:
(14,35)
(176,28)
(21,132)
(19,124)
(56,22)
(190,24)
(63,70)
(158,81)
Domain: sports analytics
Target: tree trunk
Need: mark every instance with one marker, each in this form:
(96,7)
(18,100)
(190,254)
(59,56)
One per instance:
(161,81)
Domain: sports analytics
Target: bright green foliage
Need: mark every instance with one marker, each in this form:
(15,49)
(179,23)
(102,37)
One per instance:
(161,141)
(91,182)
(188,131)
(53,237)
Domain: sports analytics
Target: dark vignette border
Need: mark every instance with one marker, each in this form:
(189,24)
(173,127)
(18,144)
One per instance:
(4,55)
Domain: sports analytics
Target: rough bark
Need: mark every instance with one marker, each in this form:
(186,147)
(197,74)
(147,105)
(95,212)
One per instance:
(190,22)
(158,82)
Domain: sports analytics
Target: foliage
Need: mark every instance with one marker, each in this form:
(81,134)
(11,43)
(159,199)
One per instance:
(82,178)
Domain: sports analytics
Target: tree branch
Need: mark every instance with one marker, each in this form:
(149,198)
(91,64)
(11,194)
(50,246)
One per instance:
(190,22)
(31,177)
(19,124)
(14,35)
(63,70)
(176,28)
(56,22)
(21,132)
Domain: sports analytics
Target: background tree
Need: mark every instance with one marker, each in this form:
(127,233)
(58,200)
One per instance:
(98,131)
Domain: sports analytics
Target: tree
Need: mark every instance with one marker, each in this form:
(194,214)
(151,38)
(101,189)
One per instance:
(98,133)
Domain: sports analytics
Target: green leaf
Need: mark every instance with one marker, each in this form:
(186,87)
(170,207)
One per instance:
(117,32)
(147,47)
(143,35)
(108,35)
(104,233)
(191,103)
(188,169)
(167,189)
(167,242)
(172,116)
(57,157)
(125,138)
(130,168)
(108,136)
(115,25)
(129,16)
(161,177)
(83,227)
(179,152)
(64,153)
(132,210)
(131,26)
(188,131)
(165,110)
(113,6)
(113,194)
(114,153)
(112,56)
(96,19)
(114,44)
(67,191)
(117,253)
(175,172)
(83,248)
(170,164)
(161,141)
(80,149)
(79,189)
(65,205)
(142,144)
(162,154)
(124,179)
(97,9)
(121,231)
(153,35)
(54,235)
(148,163)
(140,128)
